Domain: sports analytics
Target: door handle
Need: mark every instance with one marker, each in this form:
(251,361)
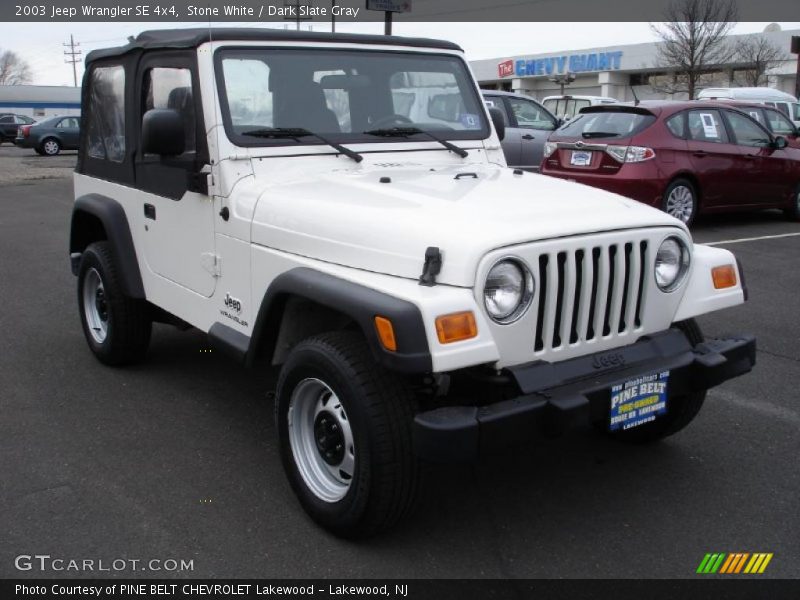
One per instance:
(149,212)
(750,156)
(528,136)
(700,154)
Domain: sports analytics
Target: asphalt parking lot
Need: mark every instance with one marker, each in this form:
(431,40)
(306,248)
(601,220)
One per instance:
(176,458)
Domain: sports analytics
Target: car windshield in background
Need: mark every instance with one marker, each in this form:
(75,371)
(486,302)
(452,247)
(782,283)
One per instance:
(606,124)
(343,94)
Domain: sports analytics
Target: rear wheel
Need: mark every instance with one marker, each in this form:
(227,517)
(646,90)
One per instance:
(344,430)
(793,212)
(51,147)
(681,410)
(680,201)
(117,328)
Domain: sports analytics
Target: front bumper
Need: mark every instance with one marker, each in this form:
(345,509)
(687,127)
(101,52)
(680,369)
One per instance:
(574,392)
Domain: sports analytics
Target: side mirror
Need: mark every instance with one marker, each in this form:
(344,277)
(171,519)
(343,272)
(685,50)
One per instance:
(779,143)
(163,132)
(559,122)
(498,121)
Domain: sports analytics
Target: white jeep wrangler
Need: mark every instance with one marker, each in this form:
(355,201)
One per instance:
(286,193)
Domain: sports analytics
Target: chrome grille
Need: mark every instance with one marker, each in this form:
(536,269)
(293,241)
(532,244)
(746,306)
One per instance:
(590,293)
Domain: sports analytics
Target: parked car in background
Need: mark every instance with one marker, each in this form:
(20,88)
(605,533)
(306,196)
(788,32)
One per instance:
(9,123)
(566,107)
(528,125)
(683,157)
(773,119)
(50,136)
(786,103)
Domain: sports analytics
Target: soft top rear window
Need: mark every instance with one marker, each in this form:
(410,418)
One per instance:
(606,124)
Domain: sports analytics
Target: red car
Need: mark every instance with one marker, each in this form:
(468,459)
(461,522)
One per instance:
(773,119)
(682,157)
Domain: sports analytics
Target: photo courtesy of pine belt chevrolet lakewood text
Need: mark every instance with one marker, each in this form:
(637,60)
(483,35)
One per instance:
(339,207)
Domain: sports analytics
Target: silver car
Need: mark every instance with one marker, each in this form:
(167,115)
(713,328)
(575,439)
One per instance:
(528,125)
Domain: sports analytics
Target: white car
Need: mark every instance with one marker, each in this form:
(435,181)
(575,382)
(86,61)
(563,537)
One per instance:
(421,300)
(786,103)
(567,106)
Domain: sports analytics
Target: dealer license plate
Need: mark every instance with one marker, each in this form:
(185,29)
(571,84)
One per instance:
(638,401)
(580,158)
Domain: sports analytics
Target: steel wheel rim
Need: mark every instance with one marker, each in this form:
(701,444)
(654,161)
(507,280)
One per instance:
(318,424)
(95,305)
(680,203)
(50,147)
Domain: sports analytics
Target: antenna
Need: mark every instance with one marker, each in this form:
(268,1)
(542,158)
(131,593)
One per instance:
(635,97)
(215,96)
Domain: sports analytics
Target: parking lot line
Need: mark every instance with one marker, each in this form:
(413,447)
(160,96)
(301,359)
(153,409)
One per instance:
(752,239)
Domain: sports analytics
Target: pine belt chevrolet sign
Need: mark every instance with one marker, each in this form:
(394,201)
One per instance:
(389,5)
(556,65)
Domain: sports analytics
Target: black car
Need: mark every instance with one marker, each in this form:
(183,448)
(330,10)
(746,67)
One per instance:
(51,136)
(9,123)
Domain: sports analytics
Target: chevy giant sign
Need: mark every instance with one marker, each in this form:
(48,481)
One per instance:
(556,65)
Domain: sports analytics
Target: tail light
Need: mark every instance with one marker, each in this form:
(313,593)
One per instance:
(630,154)
(549,148)
(24,131)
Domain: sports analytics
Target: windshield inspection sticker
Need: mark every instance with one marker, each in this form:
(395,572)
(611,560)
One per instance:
(470,121)
(638,401)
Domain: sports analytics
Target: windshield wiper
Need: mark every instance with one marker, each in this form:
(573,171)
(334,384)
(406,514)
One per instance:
(599,134)
(296,133)
(408,131)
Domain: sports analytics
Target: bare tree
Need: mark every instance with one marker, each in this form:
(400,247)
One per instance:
(758,55)
(13,69)
(692,40)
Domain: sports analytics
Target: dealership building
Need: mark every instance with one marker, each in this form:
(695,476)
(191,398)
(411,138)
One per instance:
(40,101)
(615,71)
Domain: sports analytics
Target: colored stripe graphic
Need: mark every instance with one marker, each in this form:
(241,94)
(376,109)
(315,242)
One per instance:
(734,563)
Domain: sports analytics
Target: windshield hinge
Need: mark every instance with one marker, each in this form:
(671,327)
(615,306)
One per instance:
(432,267)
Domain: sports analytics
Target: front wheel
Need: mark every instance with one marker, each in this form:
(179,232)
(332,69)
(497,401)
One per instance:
(680,201)
(681,410)
(344,430)
(117,328)
(793,211)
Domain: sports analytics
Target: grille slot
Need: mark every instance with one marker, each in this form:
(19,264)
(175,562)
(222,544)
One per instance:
(589,293)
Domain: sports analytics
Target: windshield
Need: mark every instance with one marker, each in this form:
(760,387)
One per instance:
(606,124)
(342,94)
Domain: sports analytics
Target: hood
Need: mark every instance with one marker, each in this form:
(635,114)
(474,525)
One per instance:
(351,218)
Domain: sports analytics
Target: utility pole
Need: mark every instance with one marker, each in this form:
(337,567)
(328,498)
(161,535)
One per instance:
(74,58)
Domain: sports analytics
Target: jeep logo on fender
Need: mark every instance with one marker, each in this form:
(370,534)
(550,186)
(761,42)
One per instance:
(233,303)
(606,361)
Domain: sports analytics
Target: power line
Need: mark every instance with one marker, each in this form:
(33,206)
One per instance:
(74,58)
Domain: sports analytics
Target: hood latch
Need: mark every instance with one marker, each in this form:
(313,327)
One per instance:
(432,267)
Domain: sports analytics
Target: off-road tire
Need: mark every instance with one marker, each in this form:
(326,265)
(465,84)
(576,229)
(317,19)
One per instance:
(681,410)
(380,408)
(128,320)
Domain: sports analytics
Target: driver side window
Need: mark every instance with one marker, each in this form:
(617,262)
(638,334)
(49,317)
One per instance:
(172,89)
(530,115)
(746,132)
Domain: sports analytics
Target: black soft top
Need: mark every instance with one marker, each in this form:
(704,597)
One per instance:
(191,38)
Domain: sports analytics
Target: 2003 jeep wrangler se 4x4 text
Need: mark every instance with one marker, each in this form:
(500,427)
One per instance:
(339,206)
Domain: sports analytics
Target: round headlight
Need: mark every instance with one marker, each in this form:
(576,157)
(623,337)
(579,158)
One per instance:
(508,291)
(672,264)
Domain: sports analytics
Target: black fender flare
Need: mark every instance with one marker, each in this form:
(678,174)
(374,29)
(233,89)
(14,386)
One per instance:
(362,304)
(117,230)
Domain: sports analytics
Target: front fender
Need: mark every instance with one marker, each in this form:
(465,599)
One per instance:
(700,296)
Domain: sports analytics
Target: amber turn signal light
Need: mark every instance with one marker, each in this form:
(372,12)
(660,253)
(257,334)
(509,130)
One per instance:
(456,327)
(386,333)
(724,276)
